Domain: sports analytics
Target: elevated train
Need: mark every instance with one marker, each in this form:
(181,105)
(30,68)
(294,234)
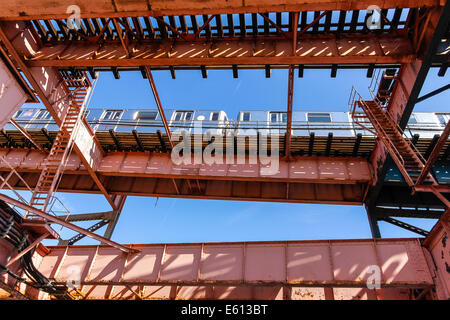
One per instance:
(147,122)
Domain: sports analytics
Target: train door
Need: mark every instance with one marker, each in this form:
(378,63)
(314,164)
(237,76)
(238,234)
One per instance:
(219,120)
(182,120)
(277,122)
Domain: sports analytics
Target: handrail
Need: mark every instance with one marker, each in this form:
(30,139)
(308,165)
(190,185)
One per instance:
(374,87)
(387,142)
(396,125)
(13,171)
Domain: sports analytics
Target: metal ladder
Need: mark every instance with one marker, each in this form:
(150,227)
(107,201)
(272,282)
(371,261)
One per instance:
(408,159)
(373,116)
(79,86)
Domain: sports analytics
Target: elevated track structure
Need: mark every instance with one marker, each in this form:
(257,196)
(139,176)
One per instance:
(48,57)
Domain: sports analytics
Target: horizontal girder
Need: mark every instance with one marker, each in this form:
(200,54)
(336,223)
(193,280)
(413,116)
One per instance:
(319,264)
(349,49)
(304,179)
(48,9)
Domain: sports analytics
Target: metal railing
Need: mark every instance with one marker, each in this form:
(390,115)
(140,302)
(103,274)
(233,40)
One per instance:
(356,101)
(63,210)
(374,92)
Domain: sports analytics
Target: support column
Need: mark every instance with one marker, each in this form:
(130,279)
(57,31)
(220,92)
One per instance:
(405,94)
(373,222)
(119,201)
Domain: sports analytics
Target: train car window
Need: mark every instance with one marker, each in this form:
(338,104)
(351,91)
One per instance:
(319,117)
(183,116)
(112,114)
(178,116)
(18,113)
(214,116)
(278,117)
(412,119)
(146,115)
(273,117)
(442,119)
(43,115)
(246,116)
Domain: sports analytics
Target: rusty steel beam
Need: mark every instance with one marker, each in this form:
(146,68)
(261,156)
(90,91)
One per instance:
(158,104)
(27,249)
(87,216)
(434,154)
(48,9)
(404,225)
(19,78)
(119,200)
(66,224)
(289,111)
(437,191)
(294,32)
(325,170)
(244,264)
(312,49)
(27,135)
(122,40)
(311,179)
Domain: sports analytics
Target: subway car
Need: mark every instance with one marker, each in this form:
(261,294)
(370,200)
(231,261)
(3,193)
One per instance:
(248,122)
(303,123)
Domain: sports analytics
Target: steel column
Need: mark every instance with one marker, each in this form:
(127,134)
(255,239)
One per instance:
(289,111)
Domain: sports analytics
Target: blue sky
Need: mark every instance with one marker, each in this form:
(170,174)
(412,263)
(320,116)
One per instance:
(163,220)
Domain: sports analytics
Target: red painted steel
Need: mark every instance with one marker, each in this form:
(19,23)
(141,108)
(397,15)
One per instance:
(328,170)
(348,49)
(64,223)
(303,179)
(12,96)
(158,104)
(289,110)
(408,160)
(27,135)
(48,9)
(438,256)
(245,270)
